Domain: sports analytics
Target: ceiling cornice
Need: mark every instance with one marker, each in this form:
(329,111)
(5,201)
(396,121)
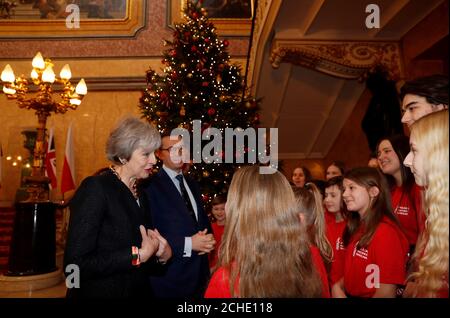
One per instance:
(343,59)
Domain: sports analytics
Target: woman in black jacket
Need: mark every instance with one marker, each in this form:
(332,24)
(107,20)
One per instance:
(110,236)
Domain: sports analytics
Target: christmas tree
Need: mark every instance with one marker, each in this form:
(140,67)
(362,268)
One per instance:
(200,83)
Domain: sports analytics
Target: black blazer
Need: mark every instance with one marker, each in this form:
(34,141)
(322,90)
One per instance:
(184,276)
(104,224)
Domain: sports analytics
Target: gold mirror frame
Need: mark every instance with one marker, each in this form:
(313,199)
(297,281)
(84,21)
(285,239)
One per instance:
(135,20)
(225,26)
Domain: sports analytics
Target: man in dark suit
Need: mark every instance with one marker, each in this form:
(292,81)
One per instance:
(177,212)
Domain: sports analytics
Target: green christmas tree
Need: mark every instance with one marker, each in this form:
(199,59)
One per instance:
(200,83)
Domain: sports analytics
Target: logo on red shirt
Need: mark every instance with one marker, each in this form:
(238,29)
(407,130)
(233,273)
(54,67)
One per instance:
(361,252)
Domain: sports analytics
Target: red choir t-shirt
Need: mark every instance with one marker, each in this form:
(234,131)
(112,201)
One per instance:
(219,285)
(385,254)
(334,231)
(409,213)
(217,233)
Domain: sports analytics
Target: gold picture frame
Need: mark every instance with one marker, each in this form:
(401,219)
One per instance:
(226,26)
(134,19)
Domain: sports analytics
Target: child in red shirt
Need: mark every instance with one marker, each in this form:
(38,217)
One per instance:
(218,212)
(428,161)
(265,250)
(405,194)
(334,222)
(376,250)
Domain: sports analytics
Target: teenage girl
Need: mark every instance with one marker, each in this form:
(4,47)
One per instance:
(265,251)
(334,221)
(300,176)
(309,204)
(375,247)
(405,194)
(428,161)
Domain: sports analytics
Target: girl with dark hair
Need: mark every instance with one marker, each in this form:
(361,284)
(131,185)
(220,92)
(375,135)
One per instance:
(375,247)
(336,168)
(300,176)
(218,226)
(334,221)
(405,194)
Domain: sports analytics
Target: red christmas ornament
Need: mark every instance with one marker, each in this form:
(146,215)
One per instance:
(205,198)
(195,15)
(187,34)
(205,84)
(207,41)
(174,75)
(211,111)
(163,96)
(173,53)
(193,48)
(226,43)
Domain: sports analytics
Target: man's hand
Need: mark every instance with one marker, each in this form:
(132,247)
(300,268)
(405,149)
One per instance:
(202,242)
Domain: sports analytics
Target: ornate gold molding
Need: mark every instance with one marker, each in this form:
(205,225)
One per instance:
(344,59)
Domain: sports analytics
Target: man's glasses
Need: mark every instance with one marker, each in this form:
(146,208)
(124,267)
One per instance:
(179,149)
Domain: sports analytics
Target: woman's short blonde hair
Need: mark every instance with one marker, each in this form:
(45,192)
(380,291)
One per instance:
(130,134)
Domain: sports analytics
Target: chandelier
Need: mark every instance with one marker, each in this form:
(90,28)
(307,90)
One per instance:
(39,94)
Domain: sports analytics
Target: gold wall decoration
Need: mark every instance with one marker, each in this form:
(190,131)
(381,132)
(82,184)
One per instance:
(237,22)
(130,18)
(343,59)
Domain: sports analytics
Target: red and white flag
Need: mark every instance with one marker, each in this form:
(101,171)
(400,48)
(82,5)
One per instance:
(68,171)
(50,160)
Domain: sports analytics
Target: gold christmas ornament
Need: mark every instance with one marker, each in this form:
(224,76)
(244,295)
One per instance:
(182,111)
(206,174)
(190,75)
(183,65)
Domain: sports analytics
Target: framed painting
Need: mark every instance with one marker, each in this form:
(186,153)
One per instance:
(231,17)
(71,19)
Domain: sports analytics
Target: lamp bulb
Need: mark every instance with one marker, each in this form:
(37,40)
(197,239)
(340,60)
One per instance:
(65,73)
(38,61)
(81,88)
(8,74)
(48,76)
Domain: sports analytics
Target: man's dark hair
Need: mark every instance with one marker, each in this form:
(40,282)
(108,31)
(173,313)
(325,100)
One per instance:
(433,88)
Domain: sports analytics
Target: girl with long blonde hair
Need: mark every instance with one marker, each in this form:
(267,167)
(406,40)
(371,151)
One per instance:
(428,161)
(310,207)
(265,250)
